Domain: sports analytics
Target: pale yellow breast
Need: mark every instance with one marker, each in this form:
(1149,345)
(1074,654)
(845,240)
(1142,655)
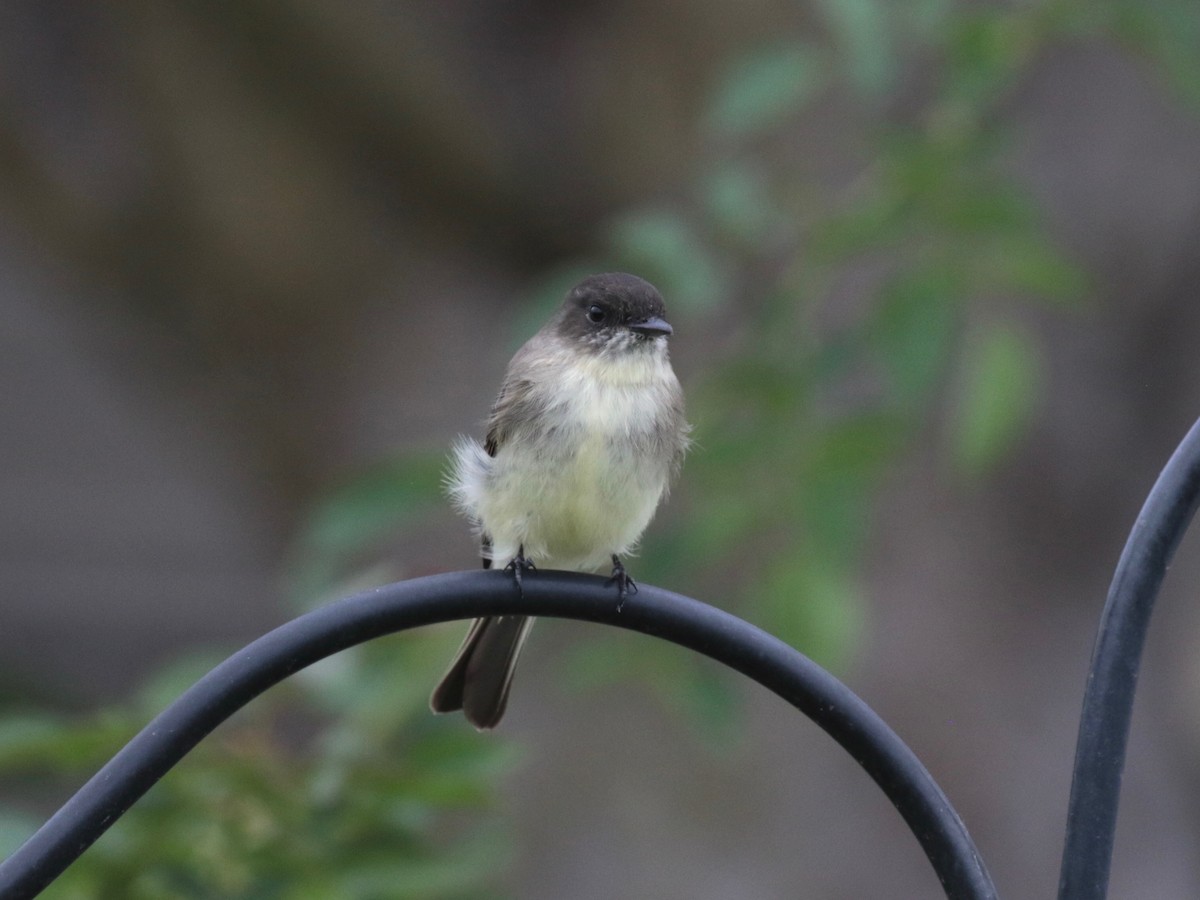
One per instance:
(591,492)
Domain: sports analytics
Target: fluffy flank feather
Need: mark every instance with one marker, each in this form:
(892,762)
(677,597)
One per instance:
(465,482)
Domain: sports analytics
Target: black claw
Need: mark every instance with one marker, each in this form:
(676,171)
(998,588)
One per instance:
(625,584)
(519,565)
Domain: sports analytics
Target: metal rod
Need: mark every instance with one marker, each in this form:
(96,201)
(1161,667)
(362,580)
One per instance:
(1112,679)
(462,595)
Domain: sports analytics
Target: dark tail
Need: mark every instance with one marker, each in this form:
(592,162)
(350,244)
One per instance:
(482,671)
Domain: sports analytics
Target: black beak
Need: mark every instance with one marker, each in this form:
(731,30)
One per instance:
(652,327)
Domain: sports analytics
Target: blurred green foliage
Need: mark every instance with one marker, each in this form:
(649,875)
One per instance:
(858,310)
(336,784)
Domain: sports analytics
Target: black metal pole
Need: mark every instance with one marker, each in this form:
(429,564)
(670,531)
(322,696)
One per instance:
(1108,699)
(463,595)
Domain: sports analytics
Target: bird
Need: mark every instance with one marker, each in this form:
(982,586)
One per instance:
(582,444)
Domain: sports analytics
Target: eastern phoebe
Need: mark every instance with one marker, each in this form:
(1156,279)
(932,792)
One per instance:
(581,446)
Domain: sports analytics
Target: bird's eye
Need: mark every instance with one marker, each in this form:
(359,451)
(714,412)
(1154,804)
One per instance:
(595,315)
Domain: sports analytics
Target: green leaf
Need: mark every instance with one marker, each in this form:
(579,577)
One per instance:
(765,89)
(352,518)
(711,701)
(24,738)
(739,203)
(1026,262)
(862,30)
(462,753)
(880,220)
(663,247)
(681,681)
(927,18)
(844,466)
(913,331)
(1000,380)
(15,829)
(448,875)
(167,684)
(856,447)
(813,604)
(984,208)
(986,50)
(46,743)
(1169,32)
(375,501)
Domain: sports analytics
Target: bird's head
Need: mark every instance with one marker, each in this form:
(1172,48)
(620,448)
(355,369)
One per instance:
(614,313)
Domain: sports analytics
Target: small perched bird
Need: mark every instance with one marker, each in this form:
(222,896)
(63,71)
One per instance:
(582,444)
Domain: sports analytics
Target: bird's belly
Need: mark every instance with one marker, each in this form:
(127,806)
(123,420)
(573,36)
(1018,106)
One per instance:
(572,502)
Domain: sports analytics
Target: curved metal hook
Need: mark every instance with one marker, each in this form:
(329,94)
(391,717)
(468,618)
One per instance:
(1112,679)
(463,595)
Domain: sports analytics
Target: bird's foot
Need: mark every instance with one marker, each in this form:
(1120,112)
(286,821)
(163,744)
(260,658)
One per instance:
(519,565)
(625,584)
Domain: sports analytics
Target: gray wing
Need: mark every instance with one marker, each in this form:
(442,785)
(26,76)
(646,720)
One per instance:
(513,403)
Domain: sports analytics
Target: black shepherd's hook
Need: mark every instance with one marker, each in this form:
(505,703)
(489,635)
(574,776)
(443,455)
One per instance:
(1108,700)
(1100,753)
(465,595)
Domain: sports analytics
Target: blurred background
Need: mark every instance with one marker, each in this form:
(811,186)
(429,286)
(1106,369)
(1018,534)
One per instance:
(932,268)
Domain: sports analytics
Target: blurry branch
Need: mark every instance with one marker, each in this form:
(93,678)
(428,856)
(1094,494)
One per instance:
(883,300)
